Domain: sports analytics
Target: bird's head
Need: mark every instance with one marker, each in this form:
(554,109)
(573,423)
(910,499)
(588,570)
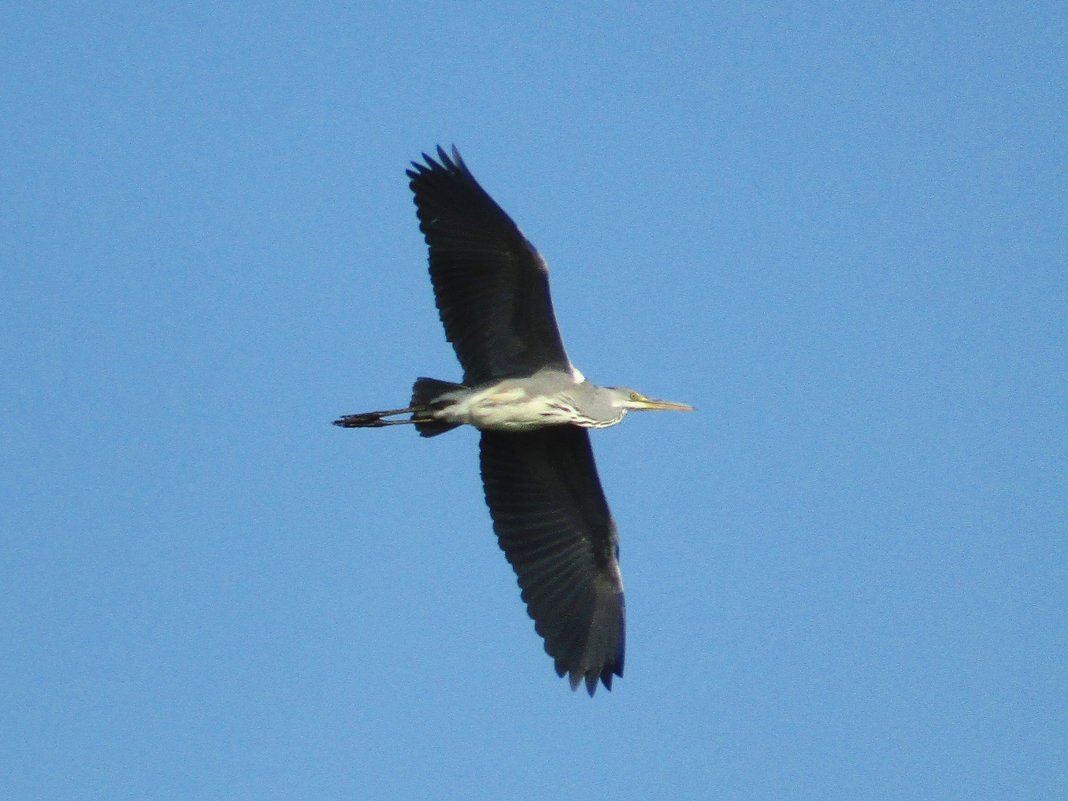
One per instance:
(632,400)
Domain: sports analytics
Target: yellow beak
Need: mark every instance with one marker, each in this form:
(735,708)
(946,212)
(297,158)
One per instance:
(654,405)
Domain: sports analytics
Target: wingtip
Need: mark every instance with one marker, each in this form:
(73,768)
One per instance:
(592,678)
(591,683)
(451,160)
(442,160)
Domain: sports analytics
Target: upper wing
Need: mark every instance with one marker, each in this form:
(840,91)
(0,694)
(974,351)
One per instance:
(490,284)
(554,525)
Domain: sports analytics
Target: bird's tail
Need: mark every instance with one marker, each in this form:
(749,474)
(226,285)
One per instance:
(425,394)
(424,403)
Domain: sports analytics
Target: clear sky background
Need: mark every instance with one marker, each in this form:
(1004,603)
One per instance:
(840,234)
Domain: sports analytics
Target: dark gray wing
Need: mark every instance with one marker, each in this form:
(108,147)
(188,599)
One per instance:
(554,526)
(490,284)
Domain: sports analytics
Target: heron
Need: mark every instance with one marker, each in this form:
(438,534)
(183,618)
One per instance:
(533,409)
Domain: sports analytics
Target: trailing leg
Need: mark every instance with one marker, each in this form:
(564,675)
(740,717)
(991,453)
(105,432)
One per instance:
(426,400)
(375,419)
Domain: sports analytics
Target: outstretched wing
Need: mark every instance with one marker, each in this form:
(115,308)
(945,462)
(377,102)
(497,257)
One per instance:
(553,523)
(490,284)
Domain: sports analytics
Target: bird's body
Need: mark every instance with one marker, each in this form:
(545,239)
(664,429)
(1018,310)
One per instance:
(546,398)
(533,408)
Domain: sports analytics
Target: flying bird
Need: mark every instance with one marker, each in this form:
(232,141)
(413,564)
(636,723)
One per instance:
(533,409)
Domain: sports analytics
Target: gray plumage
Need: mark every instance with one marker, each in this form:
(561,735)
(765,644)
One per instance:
(533,409)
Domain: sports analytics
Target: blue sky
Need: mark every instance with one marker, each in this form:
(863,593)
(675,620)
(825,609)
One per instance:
(840,233)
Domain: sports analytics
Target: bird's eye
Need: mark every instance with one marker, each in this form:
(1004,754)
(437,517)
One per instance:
(635,396)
